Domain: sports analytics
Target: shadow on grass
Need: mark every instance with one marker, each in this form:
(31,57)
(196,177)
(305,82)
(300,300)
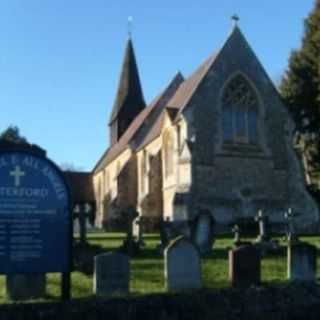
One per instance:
(149,253)
(217,285)
(105,236)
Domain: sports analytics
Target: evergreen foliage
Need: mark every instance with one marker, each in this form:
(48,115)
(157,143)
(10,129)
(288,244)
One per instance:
(12,135)
(300,88)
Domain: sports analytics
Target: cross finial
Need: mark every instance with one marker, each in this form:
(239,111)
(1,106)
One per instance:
(235,18)
(130,26)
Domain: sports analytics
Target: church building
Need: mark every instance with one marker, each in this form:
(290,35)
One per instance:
(219,140)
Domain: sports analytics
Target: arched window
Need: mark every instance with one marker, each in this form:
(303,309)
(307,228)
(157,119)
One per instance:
(168,153)
(239,112)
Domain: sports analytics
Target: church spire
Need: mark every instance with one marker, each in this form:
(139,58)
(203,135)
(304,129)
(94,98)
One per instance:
(129,99)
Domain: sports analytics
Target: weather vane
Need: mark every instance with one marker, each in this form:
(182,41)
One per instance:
(235,18)
(130,26)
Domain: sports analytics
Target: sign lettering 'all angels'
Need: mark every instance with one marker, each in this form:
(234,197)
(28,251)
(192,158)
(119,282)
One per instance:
(35,221)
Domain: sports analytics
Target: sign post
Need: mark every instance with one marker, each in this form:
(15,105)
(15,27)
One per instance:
(35,217)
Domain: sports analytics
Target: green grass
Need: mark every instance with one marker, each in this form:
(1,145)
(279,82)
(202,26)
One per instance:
(147,269)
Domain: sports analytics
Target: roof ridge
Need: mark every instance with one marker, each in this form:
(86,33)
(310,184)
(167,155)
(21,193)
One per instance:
(130,134)
(193,82)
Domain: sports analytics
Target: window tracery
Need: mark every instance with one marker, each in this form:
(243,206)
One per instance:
(239,112)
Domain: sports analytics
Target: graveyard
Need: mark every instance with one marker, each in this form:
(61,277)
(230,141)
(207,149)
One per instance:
(147,268)
(203,200)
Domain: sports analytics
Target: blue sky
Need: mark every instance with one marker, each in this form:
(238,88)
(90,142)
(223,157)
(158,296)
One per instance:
(60,60)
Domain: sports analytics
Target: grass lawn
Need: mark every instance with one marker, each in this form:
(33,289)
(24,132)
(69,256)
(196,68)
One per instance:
(147,268)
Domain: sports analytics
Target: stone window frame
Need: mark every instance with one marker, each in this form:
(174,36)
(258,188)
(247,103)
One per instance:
(260,145)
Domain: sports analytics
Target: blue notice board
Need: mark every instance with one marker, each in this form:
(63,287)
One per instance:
(35,217)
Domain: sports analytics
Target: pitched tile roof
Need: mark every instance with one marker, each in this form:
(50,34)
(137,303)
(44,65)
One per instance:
(154,132)
(179,99)
(188,87)
(142,121)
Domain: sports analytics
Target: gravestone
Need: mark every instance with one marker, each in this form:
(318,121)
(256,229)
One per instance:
(23,287)
(302,262)
(111,274)
(244,266)
(291,230)
(79,212)
(137,230)
(263,227)
(182,265)
(236,231)
(129,246)
(203,235)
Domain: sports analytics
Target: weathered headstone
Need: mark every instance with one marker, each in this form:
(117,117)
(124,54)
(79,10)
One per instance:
(137,230)
(244,266)
(24,287)
(182,265)
(203,235)
(262,221)
(236,231)
(291,232)
(79,212)
(302,262)
(129,246)
(111,274)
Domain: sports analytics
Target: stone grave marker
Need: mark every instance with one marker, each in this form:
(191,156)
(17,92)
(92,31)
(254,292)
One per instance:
(129,246)
(302,262)
(137,230)
(22,287)
(236,231)
(203,235)
(182,265)
(244,266)
(111,274)
(262,221)
(291,230)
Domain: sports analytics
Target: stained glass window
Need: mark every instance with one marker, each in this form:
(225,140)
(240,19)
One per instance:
(227,124)
(240,112)
(252,126)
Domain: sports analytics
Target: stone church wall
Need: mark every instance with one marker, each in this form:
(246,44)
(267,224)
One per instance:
(150,202)
(236,182)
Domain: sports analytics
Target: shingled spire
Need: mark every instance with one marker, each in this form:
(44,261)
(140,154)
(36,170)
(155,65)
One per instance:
(129,99)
